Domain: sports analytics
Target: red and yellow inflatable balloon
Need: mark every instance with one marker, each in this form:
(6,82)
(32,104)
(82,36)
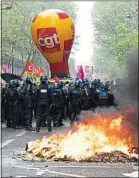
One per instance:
(53,34)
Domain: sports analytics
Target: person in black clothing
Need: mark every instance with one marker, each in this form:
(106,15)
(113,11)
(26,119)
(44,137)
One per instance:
(75,102)
(43,100)
(63,101)
(22,105)
(13,98)
(28,102)
(66,91)
(85,91)
(3,104)
(56,109)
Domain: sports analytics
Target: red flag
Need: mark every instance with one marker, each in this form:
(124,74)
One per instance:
(31,68)
(56,79)
(80,73)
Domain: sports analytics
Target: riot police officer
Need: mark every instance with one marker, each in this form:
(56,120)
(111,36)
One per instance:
(63,102)
(28,97)
(75,102)
(66,93)
(85,90)
(34,87)
(43,100)
(12,97)
(56,96)
(3,104)
(22,104)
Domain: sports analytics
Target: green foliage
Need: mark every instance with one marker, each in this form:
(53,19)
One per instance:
(123,41)
(116,33)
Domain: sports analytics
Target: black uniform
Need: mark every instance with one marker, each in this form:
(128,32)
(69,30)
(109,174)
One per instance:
(56,96)
(62,109)
(75,104)
(66,94)
(85,98)
(93,96)
(43,99)
(3,104)
(13,103)
(29,105)
(22,107)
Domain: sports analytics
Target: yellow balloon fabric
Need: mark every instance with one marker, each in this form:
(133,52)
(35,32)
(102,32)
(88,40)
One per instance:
(53,34)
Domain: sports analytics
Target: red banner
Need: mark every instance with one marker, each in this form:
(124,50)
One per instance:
(33,70)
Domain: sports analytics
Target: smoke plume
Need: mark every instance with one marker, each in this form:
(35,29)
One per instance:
(127,88)
(127,91)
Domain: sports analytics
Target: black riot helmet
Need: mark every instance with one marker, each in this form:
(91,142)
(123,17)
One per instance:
(43,79)
(60,84)
(11,83)
(77,84)
(29,80)
(16,83)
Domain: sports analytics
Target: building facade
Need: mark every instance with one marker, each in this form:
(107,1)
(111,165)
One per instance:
(13,65)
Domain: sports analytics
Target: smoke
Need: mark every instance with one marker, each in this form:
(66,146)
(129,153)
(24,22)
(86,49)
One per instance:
(127,90)
(132,71)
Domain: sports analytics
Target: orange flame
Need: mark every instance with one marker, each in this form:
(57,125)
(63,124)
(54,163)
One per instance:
(94,134)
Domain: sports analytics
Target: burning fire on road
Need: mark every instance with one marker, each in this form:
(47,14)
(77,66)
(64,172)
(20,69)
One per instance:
(94,138)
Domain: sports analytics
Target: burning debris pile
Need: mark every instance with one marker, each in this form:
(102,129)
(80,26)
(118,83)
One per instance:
(94,138)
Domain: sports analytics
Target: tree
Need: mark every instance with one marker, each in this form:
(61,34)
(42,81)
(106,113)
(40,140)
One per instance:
(115,35)
(7,5)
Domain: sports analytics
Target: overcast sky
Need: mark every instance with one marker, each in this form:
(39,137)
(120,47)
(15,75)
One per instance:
(84,29)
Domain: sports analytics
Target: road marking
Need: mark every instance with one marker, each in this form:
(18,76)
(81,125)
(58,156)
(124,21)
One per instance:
(66,174)
(20,176)
(7,142)
(31,168)
(23,167)
(41,171)
(21,133)
(132,174)
(82,167)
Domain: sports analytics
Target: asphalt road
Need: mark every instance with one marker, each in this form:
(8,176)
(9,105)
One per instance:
(13,143)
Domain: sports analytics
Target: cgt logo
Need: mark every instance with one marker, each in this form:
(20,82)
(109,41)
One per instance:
(33,69)
(48,40)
